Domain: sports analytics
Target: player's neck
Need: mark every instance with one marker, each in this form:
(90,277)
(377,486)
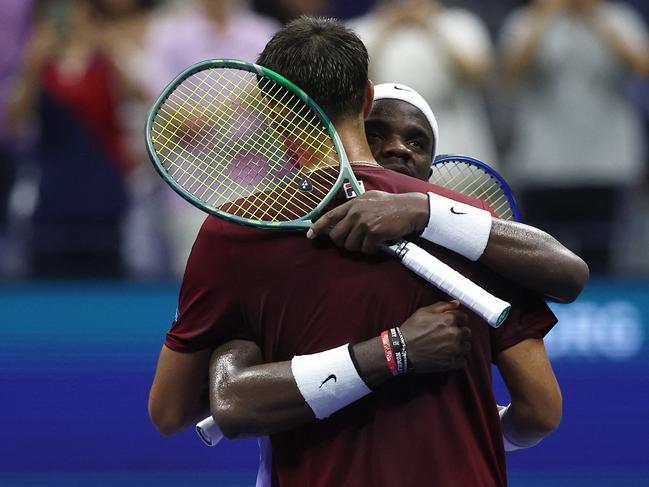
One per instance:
(352,135)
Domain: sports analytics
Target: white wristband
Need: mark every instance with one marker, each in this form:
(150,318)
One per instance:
(328,380)
(208,431)
(457,226)
(509,446)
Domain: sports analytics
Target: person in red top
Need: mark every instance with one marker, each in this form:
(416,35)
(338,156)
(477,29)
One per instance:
(295,297)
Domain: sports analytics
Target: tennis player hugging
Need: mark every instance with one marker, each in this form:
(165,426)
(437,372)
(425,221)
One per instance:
(351,369)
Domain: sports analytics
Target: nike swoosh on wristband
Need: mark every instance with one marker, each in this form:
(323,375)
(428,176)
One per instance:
(456,212)
(328,378)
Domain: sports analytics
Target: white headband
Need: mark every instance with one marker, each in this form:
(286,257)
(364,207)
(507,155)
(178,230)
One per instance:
(396,91)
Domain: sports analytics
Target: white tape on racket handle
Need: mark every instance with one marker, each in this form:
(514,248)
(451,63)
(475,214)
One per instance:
(494,310)
(209,431)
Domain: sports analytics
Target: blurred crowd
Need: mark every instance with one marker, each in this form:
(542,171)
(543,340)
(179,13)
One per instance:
(552,93)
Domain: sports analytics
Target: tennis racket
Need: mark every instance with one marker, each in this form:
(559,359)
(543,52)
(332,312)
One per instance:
(243,143)
(476,179)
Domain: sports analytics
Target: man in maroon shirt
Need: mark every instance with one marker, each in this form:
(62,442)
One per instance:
(294,296)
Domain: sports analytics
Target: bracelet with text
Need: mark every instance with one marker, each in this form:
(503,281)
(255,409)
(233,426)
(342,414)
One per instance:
(389,352)
(406,367)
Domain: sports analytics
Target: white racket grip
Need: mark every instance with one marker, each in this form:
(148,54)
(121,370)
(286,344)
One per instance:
(209,431)
(494,310)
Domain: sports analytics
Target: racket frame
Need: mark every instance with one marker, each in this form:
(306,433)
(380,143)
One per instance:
(304,223)
(446,158)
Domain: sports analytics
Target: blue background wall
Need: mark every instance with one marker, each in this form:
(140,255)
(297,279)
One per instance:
(76,362)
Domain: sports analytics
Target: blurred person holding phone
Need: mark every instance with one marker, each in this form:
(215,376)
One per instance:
(578,148)
(67,91)
(446,55)
(15,22)
(179,35)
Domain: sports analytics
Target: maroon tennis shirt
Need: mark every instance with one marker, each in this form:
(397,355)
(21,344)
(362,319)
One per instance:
(295,296)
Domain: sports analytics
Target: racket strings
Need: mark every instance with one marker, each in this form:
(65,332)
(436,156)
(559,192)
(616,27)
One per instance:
(232,187)
(219,138)
(249,170)
(299,122)
(185,156)
(471,181)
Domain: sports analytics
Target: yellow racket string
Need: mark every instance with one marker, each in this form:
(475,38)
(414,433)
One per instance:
(202,99)
(212,153)
(476,180)
(224,116)
(301,133)
(173,138)
(256,105)
(472,181)
(216,140)
(317,134)
(308,137)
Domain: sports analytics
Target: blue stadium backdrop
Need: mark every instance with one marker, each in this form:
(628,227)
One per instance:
(76,362)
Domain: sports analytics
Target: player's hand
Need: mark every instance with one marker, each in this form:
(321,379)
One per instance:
(364,223)
(437,338)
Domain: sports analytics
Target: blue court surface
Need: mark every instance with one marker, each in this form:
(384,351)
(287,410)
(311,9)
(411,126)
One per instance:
(77,361)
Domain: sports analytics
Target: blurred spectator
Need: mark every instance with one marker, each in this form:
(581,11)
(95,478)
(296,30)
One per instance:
(124,31)
(15,18)
(578,148)
(188,32)
(68,92)
(492,12)
(443,53)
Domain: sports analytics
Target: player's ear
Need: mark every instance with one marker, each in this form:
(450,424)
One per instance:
(369,98)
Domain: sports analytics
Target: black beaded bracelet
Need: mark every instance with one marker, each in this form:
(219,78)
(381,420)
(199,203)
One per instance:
(398,346)
(403,350)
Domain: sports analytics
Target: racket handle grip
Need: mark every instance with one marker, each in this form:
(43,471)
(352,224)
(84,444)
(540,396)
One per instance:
(209,431)
(492,309)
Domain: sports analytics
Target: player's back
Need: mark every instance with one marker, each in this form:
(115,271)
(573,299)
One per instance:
(294,296)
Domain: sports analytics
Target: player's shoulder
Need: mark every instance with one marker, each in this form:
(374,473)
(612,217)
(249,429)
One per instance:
(220,236)
(218,228)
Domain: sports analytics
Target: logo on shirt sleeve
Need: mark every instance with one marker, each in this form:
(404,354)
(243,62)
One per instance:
(349,190)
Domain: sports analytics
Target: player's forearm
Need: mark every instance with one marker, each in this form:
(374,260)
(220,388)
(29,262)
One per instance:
(525,426)
(254,398)
(178,395)
(258,400)
(533,258)
(536,403)
(176,415)
(520,253)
